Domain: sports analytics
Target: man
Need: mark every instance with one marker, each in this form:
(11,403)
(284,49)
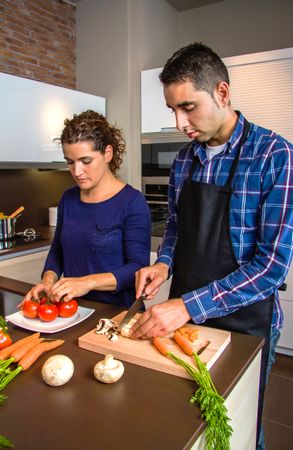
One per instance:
(228,237)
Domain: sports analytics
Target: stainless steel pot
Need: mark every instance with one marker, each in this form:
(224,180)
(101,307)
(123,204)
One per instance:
(7,229)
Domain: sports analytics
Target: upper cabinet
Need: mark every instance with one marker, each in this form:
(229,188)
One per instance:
(261,88)
(155,116)
(32,114)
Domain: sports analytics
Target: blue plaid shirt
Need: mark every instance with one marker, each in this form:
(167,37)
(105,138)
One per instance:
(261,220)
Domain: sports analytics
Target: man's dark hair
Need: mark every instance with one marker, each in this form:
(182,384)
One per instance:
(196,63)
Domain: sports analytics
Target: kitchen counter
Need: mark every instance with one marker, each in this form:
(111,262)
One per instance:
(146,409)
(47,234)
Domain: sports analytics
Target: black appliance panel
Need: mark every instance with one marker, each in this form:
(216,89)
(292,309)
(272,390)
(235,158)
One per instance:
(157,158)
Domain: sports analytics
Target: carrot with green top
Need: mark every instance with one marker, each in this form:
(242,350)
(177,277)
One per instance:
(6,352)
(19,352)
(27,360)
(184,343)
(211,404)
(162,344)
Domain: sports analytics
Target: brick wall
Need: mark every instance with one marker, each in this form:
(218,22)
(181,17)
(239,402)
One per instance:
(38,40)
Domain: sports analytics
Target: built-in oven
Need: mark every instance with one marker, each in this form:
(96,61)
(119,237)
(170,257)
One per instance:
(155,190)
(158,153)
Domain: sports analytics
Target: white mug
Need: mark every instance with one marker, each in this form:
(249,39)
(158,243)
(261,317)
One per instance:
(53,216)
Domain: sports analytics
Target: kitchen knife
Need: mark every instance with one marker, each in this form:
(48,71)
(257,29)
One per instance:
(135,307)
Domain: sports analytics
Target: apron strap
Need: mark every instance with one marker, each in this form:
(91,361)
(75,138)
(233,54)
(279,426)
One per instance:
(236,159)
(192,168)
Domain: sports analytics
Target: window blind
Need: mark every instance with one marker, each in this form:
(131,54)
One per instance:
(263,90)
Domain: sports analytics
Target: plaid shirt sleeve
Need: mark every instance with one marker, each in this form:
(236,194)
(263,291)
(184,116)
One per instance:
(258,278)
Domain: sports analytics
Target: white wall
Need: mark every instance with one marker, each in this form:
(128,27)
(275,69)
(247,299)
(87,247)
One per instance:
(102,42)
(159,32)
(116,39)
(236,27)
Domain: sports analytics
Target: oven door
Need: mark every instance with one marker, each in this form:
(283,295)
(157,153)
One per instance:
(159,214)
(157,158)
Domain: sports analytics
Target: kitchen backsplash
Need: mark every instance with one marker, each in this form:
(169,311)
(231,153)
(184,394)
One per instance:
(34,189)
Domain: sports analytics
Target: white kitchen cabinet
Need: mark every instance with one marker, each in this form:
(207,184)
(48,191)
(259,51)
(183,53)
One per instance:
(285,343)
(26,268)
(32,114)
(155,116)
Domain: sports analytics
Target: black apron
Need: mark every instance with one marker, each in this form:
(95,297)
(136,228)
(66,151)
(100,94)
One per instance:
(204,253)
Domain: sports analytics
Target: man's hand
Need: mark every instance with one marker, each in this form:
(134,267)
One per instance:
(149,279)
(160,319)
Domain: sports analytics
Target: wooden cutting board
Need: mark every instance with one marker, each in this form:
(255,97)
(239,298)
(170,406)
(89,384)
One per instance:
(143,352)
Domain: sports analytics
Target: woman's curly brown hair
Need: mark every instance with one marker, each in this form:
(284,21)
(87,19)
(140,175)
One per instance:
(90,126)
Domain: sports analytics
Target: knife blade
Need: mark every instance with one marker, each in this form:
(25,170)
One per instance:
(135,307)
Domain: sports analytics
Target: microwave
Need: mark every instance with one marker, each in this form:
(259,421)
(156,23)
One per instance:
(157,157)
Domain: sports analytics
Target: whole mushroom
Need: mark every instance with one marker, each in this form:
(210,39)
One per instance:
(57,370)
(109,370)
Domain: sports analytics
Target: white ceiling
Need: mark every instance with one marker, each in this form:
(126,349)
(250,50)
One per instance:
(179,5)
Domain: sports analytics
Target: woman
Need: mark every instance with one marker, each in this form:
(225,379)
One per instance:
(103,227)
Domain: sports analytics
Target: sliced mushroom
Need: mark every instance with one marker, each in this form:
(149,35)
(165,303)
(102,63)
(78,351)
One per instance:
(108,328)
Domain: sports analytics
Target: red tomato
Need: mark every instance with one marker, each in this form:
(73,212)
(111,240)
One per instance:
(43,300)
(5,339)
(68,309)
(30,309)
(48,312)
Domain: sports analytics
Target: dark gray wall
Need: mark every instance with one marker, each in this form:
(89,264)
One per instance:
(34,189)
(237,27)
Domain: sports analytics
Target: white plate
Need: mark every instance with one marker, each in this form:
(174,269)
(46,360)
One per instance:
(58,324)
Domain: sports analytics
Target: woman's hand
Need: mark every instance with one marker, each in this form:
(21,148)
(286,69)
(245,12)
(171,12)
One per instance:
(43,286)
(69,288)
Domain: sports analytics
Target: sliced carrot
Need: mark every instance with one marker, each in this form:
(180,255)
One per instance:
(6,352)
(190,333)
(163,345)
(19,352)
(184,343)
(33,354)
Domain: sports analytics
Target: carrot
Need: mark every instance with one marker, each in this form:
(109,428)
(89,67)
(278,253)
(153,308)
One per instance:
(184,343)
(189,332)
(28,359)
(6,352)
(19,352)
(33,354)
(211,404)
(162,344)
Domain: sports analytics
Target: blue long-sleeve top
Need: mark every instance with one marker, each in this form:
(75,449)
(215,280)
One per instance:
(110,236)
(261,220)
